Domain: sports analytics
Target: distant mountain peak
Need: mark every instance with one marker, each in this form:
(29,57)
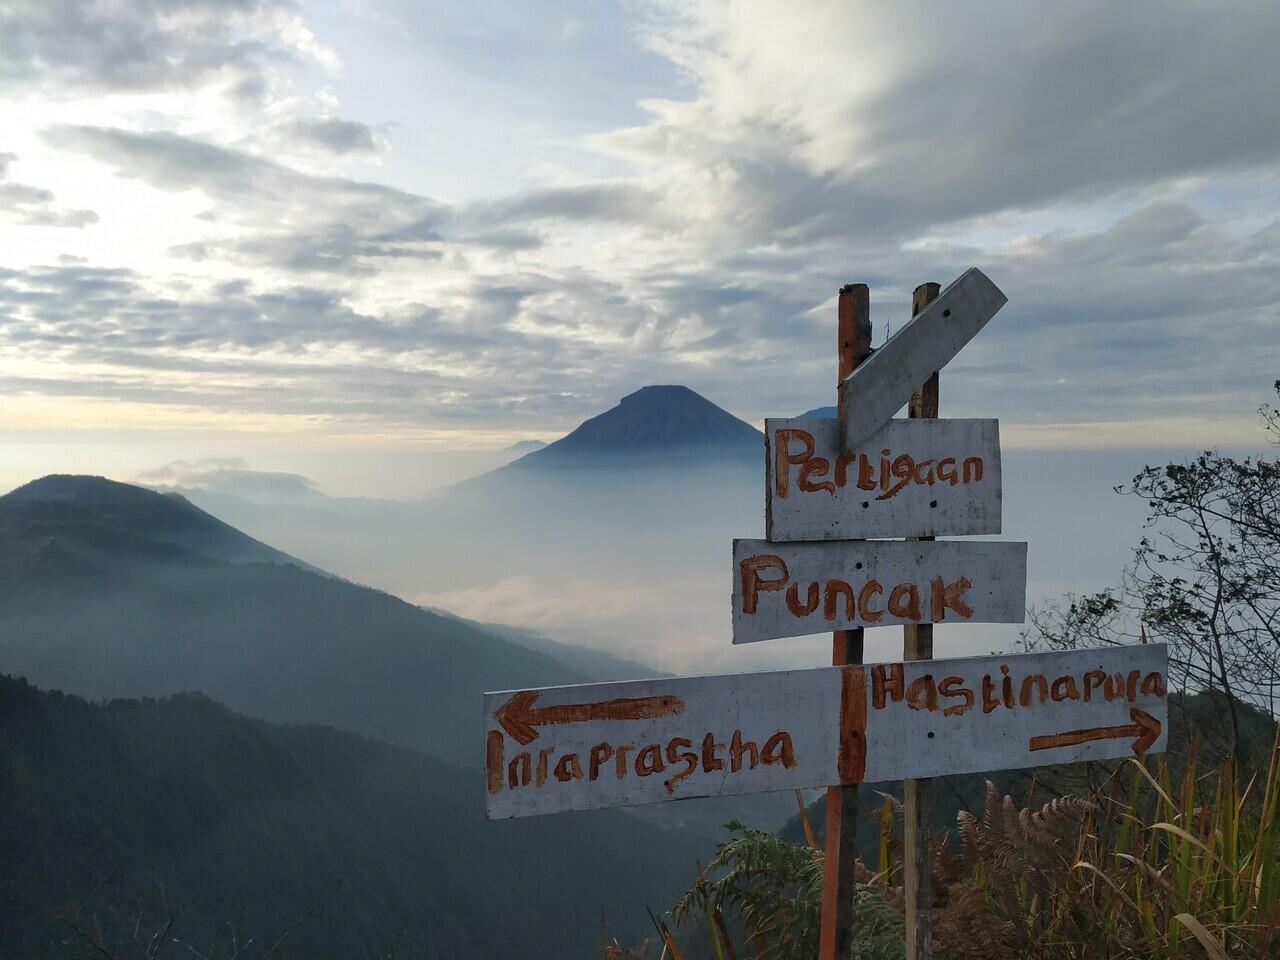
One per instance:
(650,423)
(665,394)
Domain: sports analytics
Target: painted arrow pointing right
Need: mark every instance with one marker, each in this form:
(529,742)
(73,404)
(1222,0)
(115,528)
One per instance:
(1145,727)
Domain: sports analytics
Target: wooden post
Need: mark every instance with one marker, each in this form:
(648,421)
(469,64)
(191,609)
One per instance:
(917,794)
(854,339)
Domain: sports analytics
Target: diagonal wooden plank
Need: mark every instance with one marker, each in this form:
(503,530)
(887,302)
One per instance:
(880,387)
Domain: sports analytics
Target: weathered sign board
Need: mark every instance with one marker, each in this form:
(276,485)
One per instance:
(795,589)
(884,382)
(912,478)
(615,744)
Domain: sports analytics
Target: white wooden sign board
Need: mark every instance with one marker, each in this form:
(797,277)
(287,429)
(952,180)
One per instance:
(885,381)
(912,478)
(618,744)
(796,589)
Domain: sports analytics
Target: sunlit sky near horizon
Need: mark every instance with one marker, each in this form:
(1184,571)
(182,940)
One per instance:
(369,241)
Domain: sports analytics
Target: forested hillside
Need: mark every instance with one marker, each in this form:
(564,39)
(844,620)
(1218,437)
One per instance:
(131,817)
(111,590)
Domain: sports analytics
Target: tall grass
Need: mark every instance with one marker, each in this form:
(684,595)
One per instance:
(1148,865)
(1169,870)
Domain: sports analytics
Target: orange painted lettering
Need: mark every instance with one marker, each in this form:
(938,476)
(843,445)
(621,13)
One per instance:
(1064,688)
(1030,685)
(649,760)
(709,759)
(817,466)
(778,749)
(904,601)
(989,701)
(1114,687)
(903,466)
(869,590)
(568,768)
(519,770)
(753,583)
(943,595)
(886,679)
(866,473)
(843,462)
(737,748)
(1093,680)
(599,754)
(922,694)
(831,603)
(678,752)
(620,759)
(543,771)
(784,459)
(954,687)
(493,751)
(797,608)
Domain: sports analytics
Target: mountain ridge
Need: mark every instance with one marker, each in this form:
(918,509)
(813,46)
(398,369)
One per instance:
(97,517)
(112,590)
(118,814)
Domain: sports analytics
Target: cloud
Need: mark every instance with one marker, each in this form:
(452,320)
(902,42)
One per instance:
(599,202)
(1075,156)
(241,179)
(35,206)
(232,475)
(1158,316)
(331,134)
(337,223)
(858,124)
(300,351)
(62,46)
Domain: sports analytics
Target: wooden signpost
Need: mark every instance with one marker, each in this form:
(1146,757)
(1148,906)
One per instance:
(939,477)
(882,385)
(646,741)
(832,487)
(792,589)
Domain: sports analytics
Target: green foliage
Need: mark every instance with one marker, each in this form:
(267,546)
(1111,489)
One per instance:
(1140,868)
(124,818)
(775,886)
(1205,579)
(1152,871)
(774,890)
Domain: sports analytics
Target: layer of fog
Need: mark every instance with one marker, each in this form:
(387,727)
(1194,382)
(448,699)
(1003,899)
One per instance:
(637,563)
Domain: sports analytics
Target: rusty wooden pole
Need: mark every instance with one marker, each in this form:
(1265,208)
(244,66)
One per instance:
(854,339)
(917,852)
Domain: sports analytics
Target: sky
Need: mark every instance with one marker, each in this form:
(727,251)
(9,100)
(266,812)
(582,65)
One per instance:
(371,242)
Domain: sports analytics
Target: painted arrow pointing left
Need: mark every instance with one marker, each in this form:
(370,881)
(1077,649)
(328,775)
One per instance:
(519,717)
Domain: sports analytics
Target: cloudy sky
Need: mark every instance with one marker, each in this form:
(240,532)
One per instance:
(294,232)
